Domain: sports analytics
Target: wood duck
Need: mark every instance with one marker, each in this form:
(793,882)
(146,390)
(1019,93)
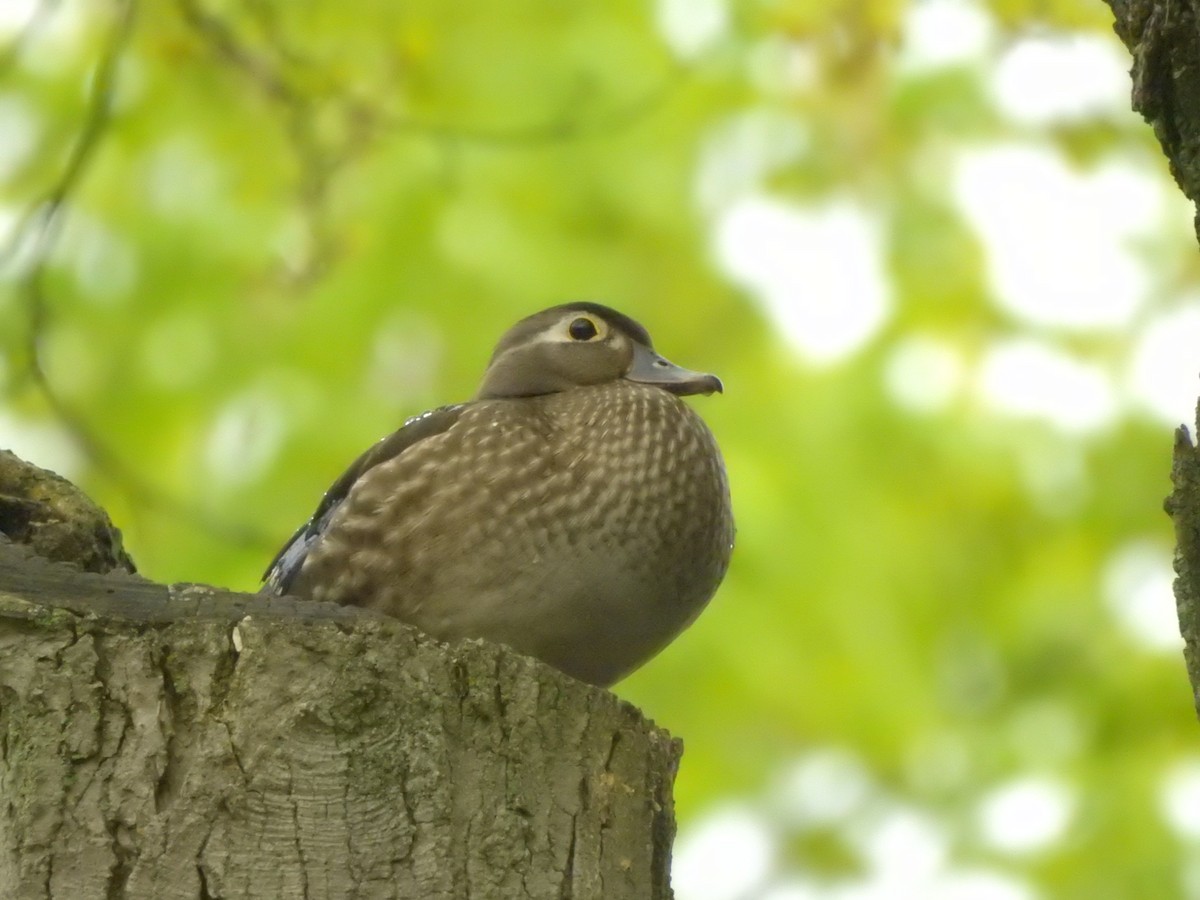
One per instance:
(576,509)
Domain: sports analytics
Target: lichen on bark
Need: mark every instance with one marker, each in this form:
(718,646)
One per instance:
(58,521)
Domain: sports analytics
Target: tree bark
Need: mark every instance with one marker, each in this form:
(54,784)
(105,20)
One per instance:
(187,742)
(1183,505)
(1164,38)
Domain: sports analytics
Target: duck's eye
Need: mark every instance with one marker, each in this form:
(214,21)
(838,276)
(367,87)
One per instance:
(582,329)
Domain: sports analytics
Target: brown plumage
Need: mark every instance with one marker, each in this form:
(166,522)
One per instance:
(576,509)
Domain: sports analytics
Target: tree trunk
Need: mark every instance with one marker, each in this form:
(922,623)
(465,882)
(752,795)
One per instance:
(1163,37)
(1184,508)
(186,742)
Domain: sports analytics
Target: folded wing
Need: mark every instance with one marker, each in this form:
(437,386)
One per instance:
(290,559)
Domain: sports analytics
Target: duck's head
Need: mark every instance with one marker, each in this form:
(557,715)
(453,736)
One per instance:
(581,344)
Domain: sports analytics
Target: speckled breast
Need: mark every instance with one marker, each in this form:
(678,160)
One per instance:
(587,528)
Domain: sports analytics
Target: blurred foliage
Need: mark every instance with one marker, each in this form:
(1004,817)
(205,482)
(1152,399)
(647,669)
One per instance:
(248,237)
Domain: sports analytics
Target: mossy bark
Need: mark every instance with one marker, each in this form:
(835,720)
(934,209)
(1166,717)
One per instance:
(1164,40)
(1183,505)
(185,742)
(55,519)
(1163,37)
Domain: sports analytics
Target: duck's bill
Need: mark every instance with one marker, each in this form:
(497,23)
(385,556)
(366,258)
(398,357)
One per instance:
(650,368)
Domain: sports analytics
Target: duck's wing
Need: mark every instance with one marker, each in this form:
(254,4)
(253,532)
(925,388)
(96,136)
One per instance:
(288,561)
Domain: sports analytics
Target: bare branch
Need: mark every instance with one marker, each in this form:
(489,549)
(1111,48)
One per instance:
(319,163)
(37,234)
(565,128)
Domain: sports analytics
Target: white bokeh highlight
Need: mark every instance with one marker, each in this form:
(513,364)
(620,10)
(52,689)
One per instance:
(819,270)
(692,26)
(53,32)
(1027,815)
(905,850)
(923,373)
(975,884)
(1137,584)
(16,14)
(741,152)
(901,844)
(245,438)
(1179,799)
(43,443)
(1164,369)
(19,133)
(1036,380)
(937,34)
(822,788)
(1059,241)
(723,856)
(796,889)
(1050,79)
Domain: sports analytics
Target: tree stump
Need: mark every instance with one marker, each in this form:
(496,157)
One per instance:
(182,741)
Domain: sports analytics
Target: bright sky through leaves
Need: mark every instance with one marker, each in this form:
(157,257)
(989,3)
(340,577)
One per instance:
(1064,253)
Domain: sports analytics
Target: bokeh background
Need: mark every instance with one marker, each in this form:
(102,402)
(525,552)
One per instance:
(942,269)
